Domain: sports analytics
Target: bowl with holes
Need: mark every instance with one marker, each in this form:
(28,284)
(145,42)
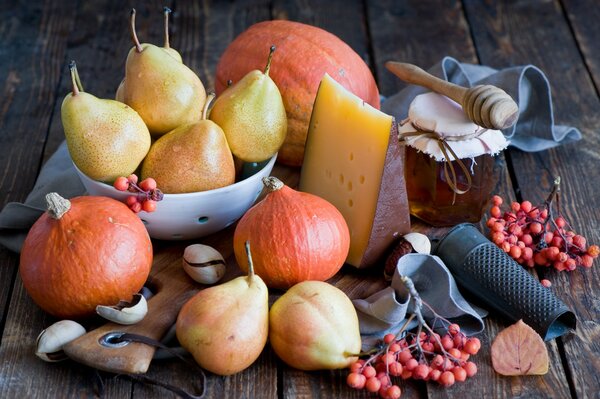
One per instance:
(193,215)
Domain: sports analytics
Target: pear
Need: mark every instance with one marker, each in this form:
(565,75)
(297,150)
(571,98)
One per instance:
(193,157)
(164,91)
(252,115)
(106,138)
(120,96)
(225,327)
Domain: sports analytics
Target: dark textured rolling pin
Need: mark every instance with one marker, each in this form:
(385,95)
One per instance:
(502,285)
(172,288)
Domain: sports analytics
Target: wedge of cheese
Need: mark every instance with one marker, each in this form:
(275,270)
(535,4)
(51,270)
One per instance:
(353,159)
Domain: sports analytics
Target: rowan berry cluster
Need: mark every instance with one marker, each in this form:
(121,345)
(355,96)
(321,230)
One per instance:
(146,193)
(534,235)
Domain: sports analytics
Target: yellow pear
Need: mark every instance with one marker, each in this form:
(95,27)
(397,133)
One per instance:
(106,138)
(164,91)
(314,326)
(252,115)
(225,327)
(120,94)
(193,157)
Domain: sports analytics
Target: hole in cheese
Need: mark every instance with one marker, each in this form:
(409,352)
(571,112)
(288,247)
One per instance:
(349,186)
(361,179)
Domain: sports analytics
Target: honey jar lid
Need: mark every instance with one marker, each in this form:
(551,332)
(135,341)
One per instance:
(438,126)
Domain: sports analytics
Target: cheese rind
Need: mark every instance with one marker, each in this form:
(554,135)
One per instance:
(353,159)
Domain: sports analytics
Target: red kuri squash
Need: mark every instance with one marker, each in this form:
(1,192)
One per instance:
(294,236)
(304,54)
(84,252)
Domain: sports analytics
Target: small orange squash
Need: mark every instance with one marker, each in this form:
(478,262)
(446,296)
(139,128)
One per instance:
(295,237)
(304,54)
(82,253)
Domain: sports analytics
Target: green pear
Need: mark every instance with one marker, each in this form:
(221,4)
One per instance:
(106,138)
(225,327)
(252,115)
(164,91)
(193,157)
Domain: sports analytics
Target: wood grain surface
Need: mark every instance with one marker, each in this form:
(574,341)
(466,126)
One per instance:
(39,37)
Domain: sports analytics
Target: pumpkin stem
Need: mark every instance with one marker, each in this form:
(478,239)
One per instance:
(268,67)
(209,99)
(56,205)
(136,42)
(250,264)
(272,183)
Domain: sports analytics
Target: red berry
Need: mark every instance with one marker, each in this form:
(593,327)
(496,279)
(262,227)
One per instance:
(437,361)
(356,367)
(388,338)
(453,329)
(544,214)
(411,364)
(490,222)
(579,241)
(548,237)
(372,384)
(497,200)
(356,381)
(570,264)
(593,251)
(455,353)
(149,205)
(434,375)
(470,368)
(498,237)
(515,206)
(527,253)
(515,252)
(495,212)
(526,206)
(527,239)
(472,346)
(587,261)
(395,369)
(562,257)
(459,340)
(540,259)
(560,266)
(506,246)
(136,207)
(421,372)
(551,253)
(557,242)
(535,228)
(428,346)
(384,379)
(369,371)
(121,183)
(404,356)
(446,379)
(393,392)
(447,342)
(132,178)
(388,358)
(546,283)
(148,184)
(499,227)
(395,347)
(560,222)
(132,199)
(460,373)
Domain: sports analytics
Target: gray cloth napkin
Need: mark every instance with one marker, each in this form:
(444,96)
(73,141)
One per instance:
(534,131)
(58,175)
(386,310)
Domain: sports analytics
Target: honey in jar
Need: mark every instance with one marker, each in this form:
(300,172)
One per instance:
(450,162)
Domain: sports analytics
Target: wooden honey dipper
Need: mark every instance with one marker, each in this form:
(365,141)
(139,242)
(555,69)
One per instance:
(486,105)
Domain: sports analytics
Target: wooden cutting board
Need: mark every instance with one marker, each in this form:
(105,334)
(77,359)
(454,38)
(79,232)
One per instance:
(172,287)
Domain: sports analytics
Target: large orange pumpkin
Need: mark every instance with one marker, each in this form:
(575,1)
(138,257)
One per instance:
(294,237)
(84,252)
(304,54)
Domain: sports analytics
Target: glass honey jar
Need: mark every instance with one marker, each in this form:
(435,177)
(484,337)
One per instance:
(450,162)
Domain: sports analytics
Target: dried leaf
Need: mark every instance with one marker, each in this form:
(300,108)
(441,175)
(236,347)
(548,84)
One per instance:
(519,350)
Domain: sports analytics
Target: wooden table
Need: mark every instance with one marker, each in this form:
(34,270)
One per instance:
(38,38)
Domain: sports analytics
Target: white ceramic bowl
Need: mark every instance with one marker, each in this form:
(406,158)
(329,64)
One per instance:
(192,215)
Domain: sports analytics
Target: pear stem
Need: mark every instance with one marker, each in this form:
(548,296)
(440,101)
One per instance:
(167,11)
(268,67)
(74,77)
(138,46)
(250,264)
(211,96)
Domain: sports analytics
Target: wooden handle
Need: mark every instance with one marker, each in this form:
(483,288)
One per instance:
(174,288)
(413,74)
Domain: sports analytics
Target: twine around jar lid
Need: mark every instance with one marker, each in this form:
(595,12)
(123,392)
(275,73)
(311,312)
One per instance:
(438,126)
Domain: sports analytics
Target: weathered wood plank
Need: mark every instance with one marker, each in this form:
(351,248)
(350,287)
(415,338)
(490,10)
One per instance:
(422,33)
(503,38)
(583,16)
